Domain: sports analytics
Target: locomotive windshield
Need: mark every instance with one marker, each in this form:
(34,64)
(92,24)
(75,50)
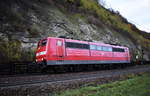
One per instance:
(43,43)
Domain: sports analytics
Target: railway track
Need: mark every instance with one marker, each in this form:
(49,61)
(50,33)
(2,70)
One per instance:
(35,79)
(42,85)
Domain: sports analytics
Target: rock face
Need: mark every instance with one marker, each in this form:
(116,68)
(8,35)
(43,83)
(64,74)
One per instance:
(27,22)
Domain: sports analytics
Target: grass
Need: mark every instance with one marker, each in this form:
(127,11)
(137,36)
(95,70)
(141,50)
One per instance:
(134,86)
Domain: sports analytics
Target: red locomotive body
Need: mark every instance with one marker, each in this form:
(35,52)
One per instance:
(60,51)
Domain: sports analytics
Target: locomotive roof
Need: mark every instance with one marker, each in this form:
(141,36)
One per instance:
(86,42)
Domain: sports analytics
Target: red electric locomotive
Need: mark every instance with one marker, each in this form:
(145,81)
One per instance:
(61,51)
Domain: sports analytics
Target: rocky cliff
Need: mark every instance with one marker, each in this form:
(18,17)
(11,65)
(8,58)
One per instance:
(24,22)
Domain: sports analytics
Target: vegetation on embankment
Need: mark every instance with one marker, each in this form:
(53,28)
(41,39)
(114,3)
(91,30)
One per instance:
(11,51)
(134,86)
(109,17)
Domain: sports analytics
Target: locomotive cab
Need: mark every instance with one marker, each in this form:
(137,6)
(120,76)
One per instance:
(41,51)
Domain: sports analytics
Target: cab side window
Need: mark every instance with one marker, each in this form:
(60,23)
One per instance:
(59,43)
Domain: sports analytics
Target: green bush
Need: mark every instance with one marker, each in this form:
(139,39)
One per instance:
(28,55)
(11,51)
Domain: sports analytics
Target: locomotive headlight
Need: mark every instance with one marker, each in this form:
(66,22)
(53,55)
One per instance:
(37,54)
